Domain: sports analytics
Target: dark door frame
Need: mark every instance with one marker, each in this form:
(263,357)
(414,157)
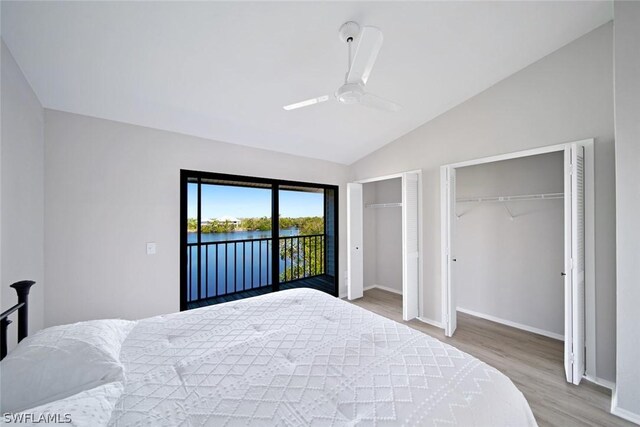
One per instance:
(186,175)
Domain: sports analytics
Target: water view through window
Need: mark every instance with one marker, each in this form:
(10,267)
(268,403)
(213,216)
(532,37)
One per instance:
(230,238)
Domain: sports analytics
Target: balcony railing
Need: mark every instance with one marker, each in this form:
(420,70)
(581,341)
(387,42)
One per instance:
(233,266)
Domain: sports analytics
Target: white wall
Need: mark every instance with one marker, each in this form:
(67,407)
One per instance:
(389,235)
(510,269)
(22,200)
(566,96)
(383,235)
(111,187)
(627,106)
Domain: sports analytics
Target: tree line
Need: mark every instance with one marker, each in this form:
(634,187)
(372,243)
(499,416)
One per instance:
(306,225)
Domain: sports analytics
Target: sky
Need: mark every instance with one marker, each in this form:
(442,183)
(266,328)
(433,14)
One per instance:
(248,202)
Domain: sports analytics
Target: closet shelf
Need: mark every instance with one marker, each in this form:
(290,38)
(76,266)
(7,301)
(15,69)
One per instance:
(383,205)
(519,198)
(505,199)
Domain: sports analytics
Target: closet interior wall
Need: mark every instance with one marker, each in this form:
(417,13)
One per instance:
(382,239)
(510,255)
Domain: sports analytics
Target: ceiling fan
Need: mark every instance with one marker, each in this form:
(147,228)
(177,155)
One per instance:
(369,42)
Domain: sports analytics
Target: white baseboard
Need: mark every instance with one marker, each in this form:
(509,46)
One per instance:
(384,288)
(430,322)
(601,382)
(623,413)
(512,324)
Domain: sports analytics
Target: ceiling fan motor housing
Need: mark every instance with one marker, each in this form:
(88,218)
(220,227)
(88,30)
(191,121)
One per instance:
(350,93)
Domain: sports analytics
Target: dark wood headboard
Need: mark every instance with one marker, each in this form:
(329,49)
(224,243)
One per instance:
(22,307)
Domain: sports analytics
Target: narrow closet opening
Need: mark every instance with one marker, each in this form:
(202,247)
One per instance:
(382,236)
(509,245)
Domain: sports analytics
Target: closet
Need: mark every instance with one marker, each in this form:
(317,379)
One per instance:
(517,245)
(382,237)
(509,242)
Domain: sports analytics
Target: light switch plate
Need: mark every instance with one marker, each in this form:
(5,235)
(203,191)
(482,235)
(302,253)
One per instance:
(151,248)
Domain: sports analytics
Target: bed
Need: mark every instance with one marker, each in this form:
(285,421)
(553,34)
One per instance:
(302,357)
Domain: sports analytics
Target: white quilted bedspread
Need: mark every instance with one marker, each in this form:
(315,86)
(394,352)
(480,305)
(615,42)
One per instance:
(301,357)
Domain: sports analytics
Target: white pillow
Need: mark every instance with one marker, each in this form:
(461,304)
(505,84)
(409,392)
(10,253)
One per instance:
(88,408)
(61,361)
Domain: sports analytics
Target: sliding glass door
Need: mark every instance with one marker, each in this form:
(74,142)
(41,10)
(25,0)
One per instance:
(303,238)
(245,236)
(228,238)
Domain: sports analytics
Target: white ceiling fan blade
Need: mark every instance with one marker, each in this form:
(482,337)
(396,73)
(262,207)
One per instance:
(369,44)
(306,103)
(373,101)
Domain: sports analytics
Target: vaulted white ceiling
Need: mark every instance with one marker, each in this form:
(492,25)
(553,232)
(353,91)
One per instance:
(223,70)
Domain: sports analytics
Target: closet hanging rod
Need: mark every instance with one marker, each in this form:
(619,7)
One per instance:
(383,205)
(524,197)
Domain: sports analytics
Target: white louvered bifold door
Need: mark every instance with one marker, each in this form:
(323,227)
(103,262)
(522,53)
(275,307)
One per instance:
(577,272)
(574,264)
(355,260)
(448,200)
(410,246)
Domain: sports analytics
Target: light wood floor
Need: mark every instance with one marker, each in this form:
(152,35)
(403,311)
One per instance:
(533,362)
